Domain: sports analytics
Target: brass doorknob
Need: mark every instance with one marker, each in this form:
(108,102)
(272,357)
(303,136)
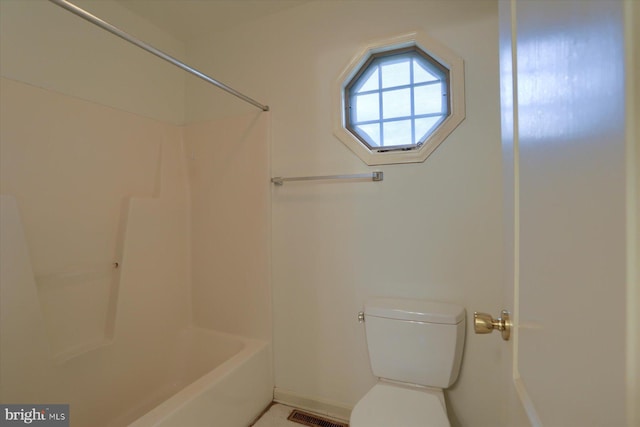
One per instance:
(483,323)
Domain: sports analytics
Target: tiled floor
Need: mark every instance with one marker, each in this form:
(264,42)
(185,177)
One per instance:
(276,416)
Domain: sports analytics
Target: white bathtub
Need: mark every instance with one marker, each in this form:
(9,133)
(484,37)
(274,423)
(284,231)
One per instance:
(229,394)
(214,379)
(199,378)
(153,371)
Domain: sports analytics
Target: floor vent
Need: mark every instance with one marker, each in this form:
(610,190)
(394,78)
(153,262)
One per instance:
(312,420)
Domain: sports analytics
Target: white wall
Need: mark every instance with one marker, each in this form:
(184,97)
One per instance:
(46,46)
(230,223)
(430,230)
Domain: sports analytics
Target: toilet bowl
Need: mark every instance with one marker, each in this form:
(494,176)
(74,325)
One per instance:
(415,349)
(393,405)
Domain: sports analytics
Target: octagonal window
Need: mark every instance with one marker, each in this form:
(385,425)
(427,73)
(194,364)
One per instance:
(397,99)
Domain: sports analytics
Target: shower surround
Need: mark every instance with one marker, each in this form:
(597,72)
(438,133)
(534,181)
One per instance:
(134,247)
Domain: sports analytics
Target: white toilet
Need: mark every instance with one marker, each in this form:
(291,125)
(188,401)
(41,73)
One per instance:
(415,348)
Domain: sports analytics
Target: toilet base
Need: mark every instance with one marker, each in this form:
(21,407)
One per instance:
(392,404)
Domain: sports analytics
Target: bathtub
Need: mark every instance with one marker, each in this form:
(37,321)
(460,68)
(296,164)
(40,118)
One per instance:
(152,371)
(197,378)
(232,393)
(206,378)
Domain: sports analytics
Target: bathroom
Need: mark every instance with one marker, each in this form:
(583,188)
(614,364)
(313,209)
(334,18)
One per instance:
(151,189)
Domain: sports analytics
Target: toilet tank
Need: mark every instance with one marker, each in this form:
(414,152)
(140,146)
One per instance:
(415,341)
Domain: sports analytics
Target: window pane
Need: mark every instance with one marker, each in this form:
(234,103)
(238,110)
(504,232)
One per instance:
(370,83)
(421,74)
(395,73)
(371,133)
(397,133)
(396,103)
(428,99)
(388,95)
(365,108)
(425,126)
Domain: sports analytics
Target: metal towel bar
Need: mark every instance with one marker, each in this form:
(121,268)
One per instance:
(373,176)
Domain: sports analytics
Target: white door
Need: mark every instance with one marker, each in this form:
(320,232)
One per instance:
(566,145)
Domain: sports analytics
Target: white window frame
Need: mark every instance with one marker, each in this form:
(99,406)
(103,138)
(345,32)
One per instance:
(440,53)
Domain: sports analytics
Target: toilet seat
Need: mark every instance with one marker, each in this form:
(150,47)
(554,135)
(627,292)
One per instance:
(391,405)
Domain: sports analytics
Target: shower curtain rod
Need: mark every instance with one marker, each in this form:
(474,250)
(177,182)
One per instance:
(123,35)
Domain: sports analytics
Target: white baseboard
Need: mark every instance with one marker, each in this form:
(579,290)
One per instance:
(319,406)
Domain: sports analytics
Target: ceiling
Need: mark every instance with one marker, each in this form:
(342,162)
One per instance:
(188,19)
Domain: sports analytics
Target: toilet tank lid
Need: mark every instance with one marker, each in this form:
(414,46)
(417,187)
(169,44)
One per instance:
(414,309)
